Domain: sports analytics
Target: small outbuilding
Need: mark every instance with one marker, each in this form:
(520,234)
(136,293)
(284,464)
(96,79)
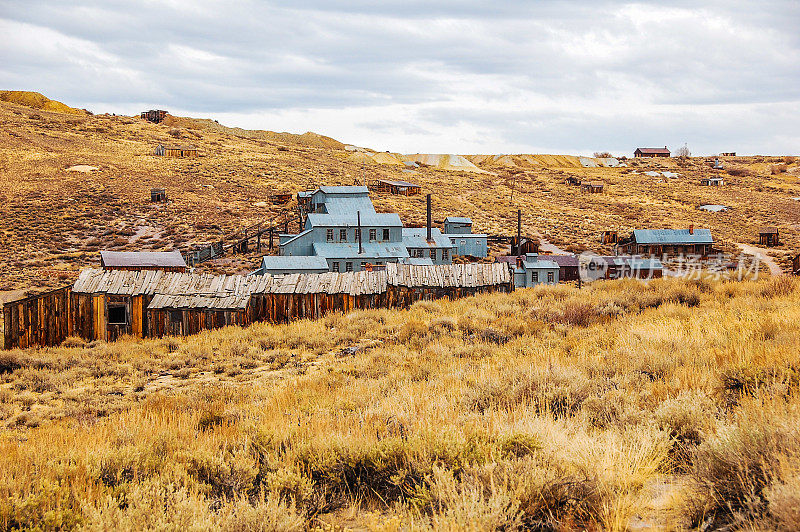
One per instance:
(712,181)
(158,195)
(768,236)
(796,265)
(168,261)
(403,188)
(651,152)
(174,150)
(572,180)
(155,116)
(609,237)
(281,198)
(592,187)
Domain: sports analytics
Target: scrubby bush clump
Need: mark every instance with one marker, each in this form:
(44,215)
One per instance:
(620,405)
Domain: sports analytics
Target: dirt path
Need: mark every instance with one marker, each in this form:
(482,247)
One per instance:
(763,255)
(546,245)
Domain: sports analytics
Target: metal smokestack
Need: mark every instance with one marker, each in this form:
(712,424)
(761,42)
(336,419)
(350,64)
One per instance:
(430,237)
(519,231)
(358,233)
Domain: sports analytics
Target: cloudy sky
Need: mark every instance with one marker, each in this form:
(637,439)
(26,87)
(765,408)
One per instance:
(430,76)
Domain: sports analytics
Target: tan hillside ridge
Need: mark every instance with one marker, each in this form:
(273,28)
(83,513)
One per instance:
(54,221)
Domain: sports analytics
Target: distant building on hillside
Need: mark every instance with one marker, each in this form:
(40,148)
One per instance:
(154,115)
(768,236)
(169,150)
(651,152)
(403,188)
(592,187)
(712,181)
(670,242)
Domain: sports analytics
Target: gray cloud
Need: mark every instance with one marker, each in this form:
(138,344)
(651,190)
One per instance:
(426,76)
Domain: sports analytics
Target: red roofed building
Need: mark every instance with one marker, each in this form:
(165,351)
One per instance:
(651,152)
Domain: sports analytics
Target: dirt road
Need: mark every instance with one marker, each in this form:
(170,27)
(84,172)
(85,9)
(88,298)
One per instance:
(763,255)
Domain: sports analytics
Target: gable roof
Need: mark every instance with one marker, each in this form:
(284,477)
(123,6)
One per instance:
(672,236)
(653,150)
(142,259)
(458,220)
(448,275)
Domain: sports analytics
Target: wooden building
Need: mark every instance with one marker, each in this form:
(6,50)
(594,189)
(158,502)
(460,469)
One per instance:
(609,237)
(279,299)
(768,236)
(281,198)
(651,152)
(728,154)
(592,187)
(669,242)
(158,195)
(107,304)
(409,283)
(37,320)
(712,181)
(573,181)
(403,188)
(154,115)
(168,261)
(524,245)
(174,150)
(796,265)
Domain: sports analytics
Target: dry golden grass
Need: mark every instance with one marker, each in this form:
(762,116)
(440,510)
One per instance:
(622,405)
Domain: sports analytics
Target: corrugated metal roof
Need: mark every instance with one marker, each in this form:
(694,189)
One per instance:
(672,236)
(352,189)
(417,237)
(348,206)
(541,265)
(286,262)
(142,259)
(373,219)
(448,275)
(399,183)
(458,220)
(768,231)
(381,250)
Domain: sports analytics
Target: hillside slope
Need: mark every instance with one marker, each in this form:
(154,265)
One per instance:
(53,220)
(36,100)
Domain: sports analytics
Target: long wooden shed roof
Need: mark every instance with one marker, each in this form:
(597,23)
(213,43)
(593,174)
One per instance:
(448,275)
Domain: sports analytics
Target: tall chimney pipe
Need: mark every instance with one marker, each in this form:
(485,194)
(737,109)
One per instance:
(358,234)
(430,237)
(519,231)
(691,229)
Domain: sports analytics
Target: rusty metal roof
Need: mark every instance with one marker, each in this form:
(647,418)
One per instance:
(653,150)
